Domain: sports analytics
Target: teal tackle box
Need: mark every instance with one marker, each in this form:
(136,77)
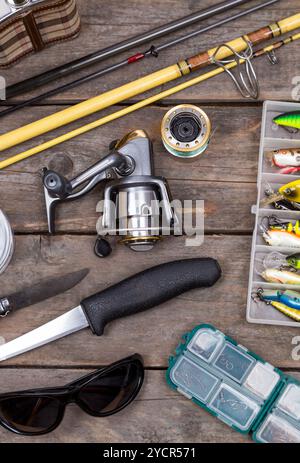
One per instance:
(236,386)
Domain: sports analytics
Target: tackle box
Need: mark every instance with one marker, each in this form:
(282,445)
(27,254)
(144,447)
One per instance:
(273,138)
(236,386)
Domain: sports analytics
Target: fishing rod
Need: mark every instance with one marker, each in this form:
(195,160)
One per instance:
(156,79)
(269,51)
(101,55)
(153,51)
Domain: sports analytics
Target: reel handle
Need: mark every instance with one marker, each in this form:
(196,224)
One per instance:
(57,185)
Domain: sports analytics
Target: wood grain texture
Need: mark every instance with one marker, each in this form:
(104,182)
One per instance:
(104,23)
(158,415)
(225,177)
(232,155)
(230,163)
(155,333)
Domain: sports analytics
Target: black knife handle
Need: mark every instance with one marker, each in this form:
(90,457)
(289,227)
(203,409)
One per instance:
(148,289)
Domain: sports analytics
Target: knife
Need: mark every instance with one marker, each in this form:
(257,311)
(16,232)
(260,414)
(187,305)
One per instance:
(40,292)
(135,294)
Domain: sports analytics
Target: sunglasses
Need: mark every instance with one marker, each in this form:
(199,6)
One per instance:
(102,393)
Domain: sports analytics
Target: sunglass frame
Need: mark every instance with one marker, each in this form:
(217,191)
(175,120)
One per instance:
(68,394)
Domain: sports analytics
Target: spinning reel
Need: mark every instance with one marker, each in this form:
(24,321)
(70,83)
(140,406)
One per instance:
(137,205)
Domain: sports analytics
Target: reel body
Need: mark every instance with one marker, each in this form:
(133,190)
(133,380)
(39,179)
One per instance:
(136,205)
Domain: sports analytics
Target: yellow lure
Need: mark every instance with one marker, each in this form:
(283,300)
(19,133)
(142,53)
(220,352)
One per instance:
(291,191)
(291,313)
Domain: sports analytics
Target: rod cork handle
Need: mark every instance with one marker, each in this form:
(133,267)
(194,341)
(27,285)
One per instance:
(240,44)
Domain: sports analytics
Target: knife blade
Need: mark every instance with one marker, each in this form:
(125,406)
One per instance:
(131,296)
(40,292)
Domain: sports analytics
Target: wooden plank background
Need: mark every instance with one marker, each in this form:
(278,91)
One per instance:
(225,177)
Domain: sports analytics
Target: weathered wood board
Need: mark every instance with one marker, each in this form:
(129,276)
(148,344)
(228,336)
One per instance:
(225,177)
(158,415)
(154,334)
(107,24)
(231,167)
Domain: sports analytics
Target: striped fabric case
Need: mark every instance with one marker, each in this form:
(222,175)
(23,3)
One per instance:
(47,22)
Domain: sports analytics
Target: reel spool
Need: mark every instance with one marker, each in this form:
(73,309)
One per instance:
(186,131)
(6,242)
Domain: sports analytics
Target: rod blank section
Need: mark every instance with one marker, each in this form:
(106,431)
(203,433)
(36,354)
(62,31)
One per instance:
(139,86)
(139,56)
(101,55)
(88,107)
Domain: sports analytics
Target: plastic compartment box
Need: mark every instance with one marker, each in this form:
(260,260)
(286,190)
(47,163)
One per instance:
(272,138)
(236,386)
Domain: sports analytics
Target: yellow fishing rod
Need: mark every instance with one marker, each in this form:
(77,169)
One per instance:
(149,82)
(269,50)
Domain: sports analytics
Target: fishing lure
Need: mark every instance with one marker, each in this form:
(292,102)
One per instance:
(287,197)
(288,226)
(276,224)
(285,277)
(294,261)
(291,313)
(291,191)
(282,238)
(288,160)
(278,260)
(289,120)
(281,301)
(289,298)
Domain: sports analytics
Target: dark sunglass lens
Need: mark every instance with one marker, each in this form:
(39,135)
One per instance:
(111,391)
(30,414)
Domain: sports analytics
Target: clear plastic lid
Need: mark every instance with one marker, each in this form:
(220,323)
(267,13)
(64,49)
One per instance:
(276,430)
(206,343)
(234,363)
(235,408)
(193,380)
(6,242)
(290,401)
(262,380)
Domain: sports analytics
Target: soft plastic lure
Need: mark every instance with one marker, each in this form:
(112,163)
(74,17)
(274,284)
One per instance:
(291,119)
(282,238)
(289,298)
(288,160)
(291,313)
(284,277)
